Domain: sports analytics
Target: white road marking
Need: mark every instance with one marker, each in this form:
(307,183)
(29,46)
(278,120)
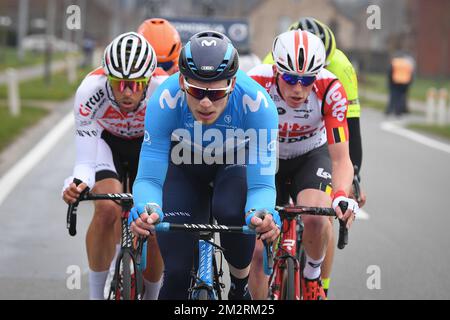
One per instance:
(395,128)
(9,181)
(362,215)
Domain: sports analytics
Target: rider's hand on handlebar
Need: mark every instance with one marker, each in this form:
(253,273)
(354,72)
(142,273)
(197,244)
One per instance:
(362,197)
(352,208)
(141,223)
(72,192)
(266,227)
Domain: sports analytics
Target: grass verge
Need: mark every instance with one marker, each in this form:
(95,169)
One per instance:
(9,58)
(37,89)
(11,127)
(377,82)
(441,131)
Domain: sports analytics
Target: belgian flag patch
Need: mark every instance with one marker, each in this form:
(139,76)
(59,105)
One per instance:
(339,135)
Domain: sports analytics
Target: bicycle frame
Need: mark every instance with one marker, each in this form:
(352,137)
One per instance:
(205,273)
(206,277)
(287,249)
(132,250)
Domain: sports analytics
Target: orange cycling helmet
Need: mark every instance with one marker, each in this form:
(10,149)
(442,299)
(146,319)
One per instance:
(163,37)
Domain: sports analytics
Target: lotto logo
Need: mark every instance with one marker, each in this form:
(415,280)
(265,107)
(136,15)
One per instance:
(337,100)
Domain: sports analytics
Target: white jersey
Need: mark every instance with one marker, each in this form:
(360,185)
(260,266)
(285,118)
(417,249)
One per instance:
(321,118)
(94,112)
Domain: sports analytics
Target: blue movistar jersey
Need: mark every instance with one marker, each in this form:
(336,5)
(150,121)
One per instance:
(250,115)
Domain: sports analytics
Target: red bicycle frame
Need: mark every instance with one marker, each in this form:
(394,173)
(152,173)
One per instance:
(287,250)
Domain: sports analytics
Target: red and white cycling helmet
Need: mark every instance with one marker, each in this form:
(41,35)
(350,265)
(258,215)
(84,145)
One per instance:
(298,52)
(129,56)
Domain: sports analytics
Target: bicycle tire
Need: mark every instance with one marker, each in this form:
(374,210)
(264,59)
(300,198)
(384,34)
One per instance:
(139,285)
(203,294)
(289,280)
(125,280)
(302,259)
(216,285)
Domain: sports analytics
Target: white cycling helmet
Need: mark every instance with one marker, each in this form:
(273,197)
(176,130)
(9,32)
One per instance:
(298,52)
(129,56)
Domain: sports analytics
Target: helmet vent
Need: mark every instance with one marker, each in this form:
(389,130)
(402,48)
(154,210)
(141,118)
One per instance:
(172,50)
(282,66)
(316,68)
(291,67)
(301,57)
(311,64)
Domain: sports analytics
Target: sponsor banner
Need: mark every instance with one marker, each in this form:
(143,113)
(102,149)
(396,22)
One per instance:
(235,29)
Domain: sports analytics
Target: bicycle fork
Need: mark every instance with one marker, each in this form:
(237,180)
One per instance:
(288,249)
(204,277)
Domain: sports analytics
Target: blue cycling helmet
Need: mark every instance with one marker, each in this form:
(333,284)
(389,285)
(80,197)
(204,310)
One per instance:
(209,56)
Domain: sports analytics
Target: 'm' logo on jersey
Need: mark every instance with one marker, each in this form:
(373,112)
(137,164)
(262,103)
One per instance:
(254,104)
(166,99)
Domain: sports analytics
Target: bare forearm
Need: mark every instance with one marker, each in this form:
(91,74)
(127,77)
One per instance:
(342,176)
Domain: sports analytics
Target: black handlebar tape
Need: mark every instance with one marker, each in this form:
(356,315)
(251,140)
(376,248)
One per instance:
(72,213)
(343,231)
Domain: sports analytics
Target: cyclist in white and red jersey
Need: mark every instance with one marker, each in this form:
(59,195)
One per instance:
(109,112)
(313,147)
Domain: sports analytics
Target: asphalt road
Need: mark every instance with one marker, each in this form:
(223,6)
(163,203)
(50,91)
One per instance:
(399,253)
(406,238)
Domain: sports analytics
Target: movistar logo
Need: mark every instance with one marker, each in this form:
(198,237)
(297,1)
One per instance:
(254,104)
(167,99)
(209,43)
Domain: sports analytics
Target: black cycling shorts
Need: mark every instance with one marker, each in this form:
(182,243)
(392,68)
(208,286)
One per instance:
(125,158)
(311,170)
(188,197)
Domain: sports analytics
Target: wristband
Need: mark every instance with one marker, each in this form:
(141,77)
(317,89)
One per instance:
(339,193)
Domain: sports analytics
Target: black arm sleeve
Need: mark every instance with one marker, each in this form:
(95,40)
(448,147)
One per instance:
(355,144)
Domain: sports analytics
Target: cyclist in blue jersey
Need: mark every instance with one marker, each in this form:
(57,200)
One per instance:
(209,147)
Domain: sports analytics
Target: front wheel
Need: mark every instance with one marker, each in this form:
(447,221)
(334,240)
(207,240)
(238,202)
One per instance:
(203,294)
(123,285)
(288,292)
